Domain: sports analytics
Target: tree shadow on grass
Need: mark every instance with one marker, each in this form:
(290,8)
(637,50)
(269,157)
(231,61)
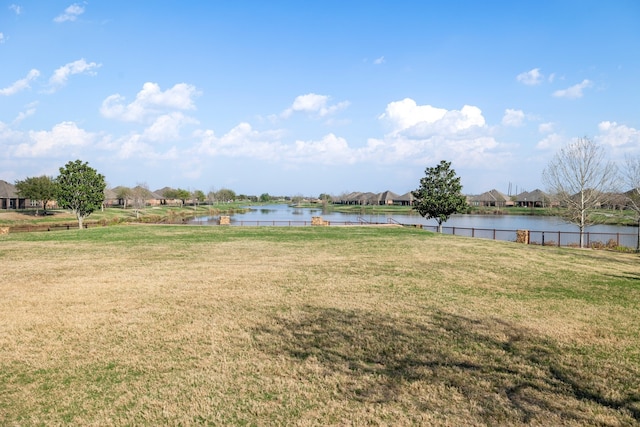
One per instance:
(510,374)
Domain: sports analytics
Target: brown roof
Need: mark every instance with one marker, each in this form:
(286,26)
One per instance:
(7,191)
(491,196)
(532,196)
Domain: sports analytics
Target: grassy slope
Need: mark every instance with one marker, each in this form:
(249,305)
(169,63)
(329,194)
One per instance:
(313,326)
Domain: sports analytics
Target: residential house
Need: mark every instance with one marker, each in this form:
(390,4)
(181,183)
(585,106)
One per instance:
(9,198)
(386,198)
(492,198)
(163,200)
(533,199)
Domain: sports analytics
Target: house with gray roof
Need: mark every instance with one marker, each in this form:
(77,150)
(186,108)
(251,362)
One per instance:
(533,199)
(492,198)
(9,198)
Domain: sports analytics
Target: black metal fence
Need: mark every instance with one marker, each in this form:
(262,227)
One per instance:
(598,240)
(548,238)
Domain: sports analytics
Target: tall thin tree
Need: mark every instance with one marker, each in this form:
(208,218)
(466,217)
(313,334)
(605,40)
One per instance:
(631,178)
(581,179)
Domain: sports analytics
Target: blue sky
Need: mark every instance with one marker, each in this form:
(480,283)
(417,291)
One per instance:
(310,97)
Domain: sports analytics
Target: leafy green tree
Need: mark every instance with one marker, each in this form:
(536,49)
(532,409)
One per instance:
(265,197)
(440,194)
(325,198)
(171,194)
(183,195)
(80,188)
(226,195)
(41,189)
(124,194)
(198,197)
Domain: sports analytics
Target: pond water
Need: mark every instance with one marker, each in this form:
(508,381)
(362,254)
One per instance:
(282,214)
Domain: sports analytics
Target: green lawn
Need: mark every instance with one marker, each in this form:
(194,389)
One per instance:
(182,325)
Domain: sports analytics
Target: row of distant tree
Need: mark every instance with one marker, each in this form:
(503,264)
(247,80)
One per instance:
(579,177)
(140,194)
(81,188)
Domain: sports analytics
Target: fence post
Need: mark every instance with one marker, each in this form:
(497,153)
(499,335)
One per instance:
(559,236)
(522,236)
(543,238)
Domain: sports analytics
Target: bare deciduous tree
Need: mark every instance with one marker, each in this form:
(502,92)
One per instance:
(631,177)
(123,194)
(140,194)
(581,179)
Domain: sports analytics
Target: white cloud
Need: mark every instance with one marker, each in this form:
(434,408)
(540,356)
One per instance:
(423,133)
(7,135)
(61,137)
(150,101)
(244,141)
(406,113)
(379,61)
(167,127)
(513,117)
(310,102)
(241,141)
(552,141)
(21,84)
(135,146)
(71,13)
(2,39)
(422,120)
(314,104)
(61,75)
(419,134)
(574,91)
(31,110)
(132,145)
(530,78)
(546,127)
(16,9)
(617,135)
(331,149)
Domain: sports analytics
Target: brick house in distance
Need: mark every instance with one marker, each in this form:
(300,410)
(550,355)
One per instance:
(9,198)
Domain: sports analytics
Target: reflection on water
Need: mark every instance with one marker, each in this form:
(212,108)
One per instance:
(282,212)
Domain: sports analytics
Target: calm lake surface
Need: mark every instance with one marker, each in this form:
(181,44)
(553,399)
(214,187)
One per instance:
(281,213)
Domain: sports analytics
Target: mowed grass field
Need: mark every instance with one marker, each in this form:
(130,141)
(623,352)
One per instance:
(175,325)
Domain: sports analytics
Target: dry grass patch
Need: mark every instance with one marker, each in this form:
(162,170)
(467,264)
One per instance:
(313,326)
